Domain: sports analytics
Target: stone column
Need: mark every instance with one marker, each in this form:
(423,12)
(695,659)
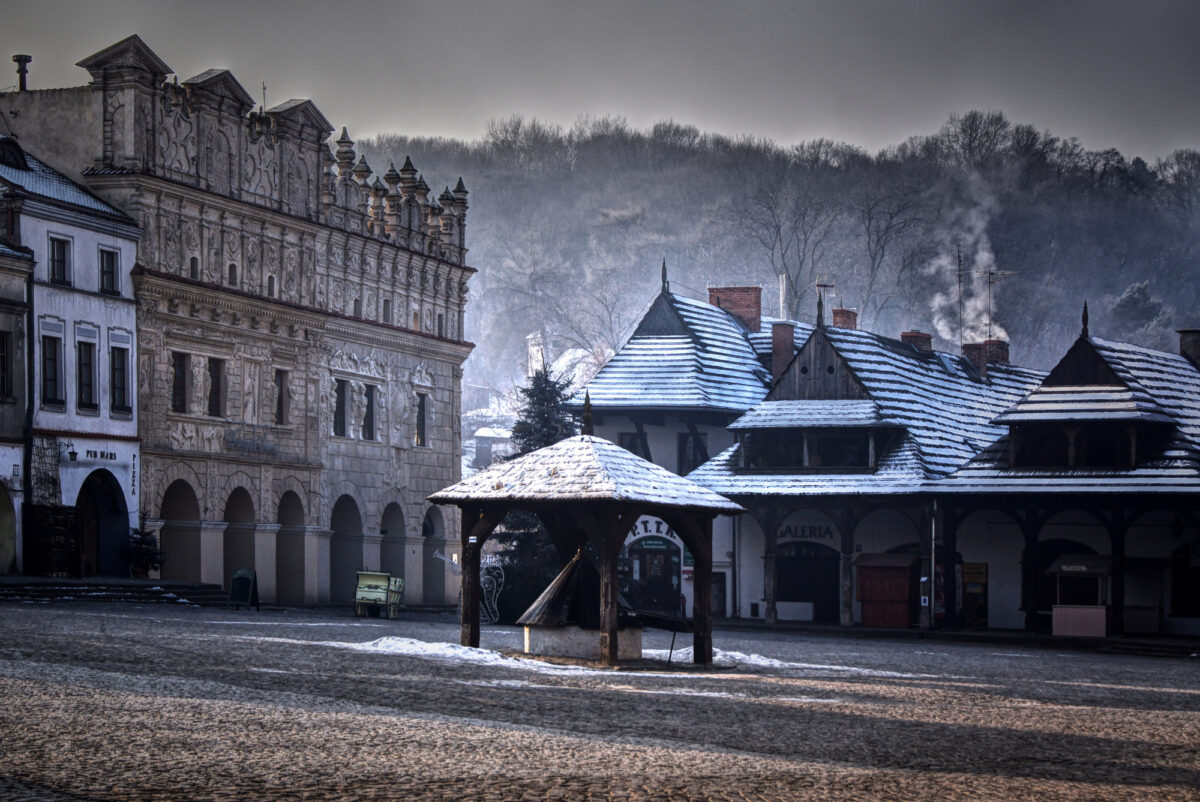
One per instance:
(212,552)
(414,570)
(372,544)
(316,563)
(266,537)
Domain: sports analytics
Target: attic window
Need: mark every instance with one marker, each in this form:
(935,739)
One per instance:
(11,154)
(830,450)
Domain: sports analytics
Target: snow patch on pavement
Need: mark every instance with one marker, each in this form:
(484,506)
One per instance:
(742,660)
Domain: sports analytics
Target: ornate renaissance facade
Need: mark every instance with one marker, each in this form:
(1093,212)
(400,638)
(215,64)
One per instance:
(300,328)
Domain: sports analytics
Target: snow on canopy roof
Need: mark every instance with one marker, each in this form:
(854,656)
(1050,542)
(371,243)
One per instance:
(43,181)
(808,414)
(583,468)
(708,365)
(1065,403)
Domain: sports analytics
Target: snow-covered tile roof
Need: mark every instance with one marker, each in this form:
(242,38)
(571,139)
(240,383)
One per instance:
(809,414)
(708,364)
(583,468)
(42,180)
(1084,403)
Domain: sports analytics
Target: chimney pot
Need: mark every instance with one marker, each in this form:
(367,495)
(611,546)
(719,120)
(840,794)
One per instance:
(1189,345)
(917,339)
(977,354)
(997,351)
(22,61)
(743,303)
(845,318)
(783,344)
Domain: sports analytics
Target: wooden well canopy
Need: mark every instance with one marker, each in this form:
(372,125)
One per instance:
(588,489)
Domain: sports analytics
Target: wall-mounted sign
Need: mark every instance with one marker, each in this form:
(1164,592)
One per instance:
(812,527)
(649,525)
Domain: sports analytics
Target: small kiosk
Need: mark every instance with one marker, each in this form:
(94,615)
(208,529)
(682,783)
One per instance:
(1081,595)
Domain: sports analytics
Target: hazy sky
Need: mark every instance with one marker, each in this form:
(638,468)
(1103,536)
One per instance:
(1124,75)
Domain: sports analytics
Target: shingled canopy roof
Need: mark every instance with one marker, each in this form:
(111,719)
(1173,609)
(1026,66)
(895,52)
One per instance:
(588,489)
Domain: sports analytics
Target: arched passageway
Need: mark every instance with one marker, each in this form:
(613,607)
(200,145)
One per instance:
(433,567)
(345,549)
(102,523)
(239,532)
(391,550)
(179,538)
(290,557)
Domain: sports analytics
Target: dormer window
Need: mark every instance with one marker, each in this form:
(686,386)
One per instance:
(831,449)
(1093,445)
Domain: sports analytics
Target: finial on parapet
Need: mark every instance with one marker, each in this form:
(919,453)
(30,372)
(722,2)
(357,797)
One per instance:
(362,171)
(666,285)
(345,152)
(587,413)
(1084,333)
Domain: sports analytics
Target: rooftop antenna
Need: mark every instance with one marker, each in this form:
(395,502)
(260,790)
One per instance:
(822,286)
(958,245)
(992,276)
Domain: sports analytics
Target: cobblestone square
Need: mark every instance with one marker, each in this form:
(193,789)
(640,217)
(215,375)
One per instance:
(125,702)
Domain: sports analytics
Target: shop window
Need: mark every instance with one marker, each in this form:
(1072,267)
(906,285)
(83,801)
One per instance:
(216,387)
(368,421)
(179,381)
(85,377)
(692,452)
(109,277)
(282,400)
(339,408)
(421,435)
(118,380)
(52,371)
(60,261)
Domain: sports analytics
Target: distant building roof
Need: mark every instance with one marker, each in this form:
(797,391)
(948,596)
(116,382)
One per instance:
(808,414)
(39,180)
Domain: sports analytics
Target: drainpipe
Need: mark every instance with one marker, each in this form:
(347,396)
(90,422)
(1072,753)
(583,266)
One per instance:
(737,532)
(27,457)
(932,606)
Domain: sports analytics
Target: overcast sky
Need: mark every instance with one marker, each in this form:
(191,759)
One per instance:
(1124,75)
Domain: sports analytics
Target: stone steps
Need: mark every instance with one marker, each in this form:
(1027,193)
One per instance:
(46,589)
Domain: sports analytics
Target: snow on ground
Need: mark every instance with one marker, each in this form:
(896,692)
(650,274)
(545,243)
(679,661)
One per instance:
(753,662)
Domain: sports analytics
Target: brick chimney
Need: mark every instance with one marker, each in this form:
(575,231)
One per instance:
(917,339)
(1189,345)
(977,354)
(845,319)
(997,351)
(783,346)
(744,303)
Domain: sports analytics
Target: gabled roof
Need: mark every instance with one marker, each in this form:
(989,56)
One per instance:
(583,468)
(42,181)
(684,355)
(303,111)
(1085,402)
(1163,382)
(129,52)
(809,414)
(222,83)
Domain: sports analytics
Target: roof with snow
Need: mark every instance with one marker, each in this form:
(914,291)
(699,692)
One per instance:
(1084,403)
(684,355)
(1159,388)
(24,174)
(583,468)
(809,414)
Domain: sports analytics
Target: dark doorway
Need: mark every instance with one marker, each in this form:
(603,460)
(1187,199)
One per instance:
(809,572)
(102,523)
(718,595)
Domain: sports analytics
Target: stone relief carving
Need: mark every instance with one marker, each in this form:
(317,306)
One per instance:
(338,300)
(171,244)
(421,377)
(201,384)
(212,264)
(114,112)
(369,306)
(350,362)
(220,162)
(250,392)
(259,168)
(291,278)
(210,438)
(252,261)
(182,436)
(178,141)
(358,407)
(147,246)
(191,240)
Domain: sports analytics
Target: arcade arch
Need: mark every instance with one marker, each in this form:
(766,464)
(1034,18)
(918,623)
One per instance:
(8,533)
(345,549)
(102,522)
(391,549)
(290,558)
(239,532)
(179,538)
(433,568)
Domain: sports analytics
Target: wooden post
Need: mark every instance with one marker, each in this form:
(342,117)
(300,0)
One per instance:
(469,620)
(1117,529)
(949,557)
(1031,570)
(610,549)
(702,648)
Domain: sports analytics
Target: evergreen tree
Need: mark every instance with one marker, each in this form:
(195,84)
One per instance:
(530,560)
(543,419)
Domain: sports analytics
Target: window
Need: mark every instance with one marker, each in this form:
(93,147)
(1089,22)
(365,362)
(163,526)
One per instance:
(441,325)
(233,275)
(52,370)
(339,408)
(635,443)
(6,364)
(118,379)
(368,421)
(85,377)
(108,273)
(421,436)
(60,261)
(692,452)
(358,307)
(834,450)
(179,381)
(194,267)
(271,286)
(216,387)
(416,321)
(387,310)
(282,401)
